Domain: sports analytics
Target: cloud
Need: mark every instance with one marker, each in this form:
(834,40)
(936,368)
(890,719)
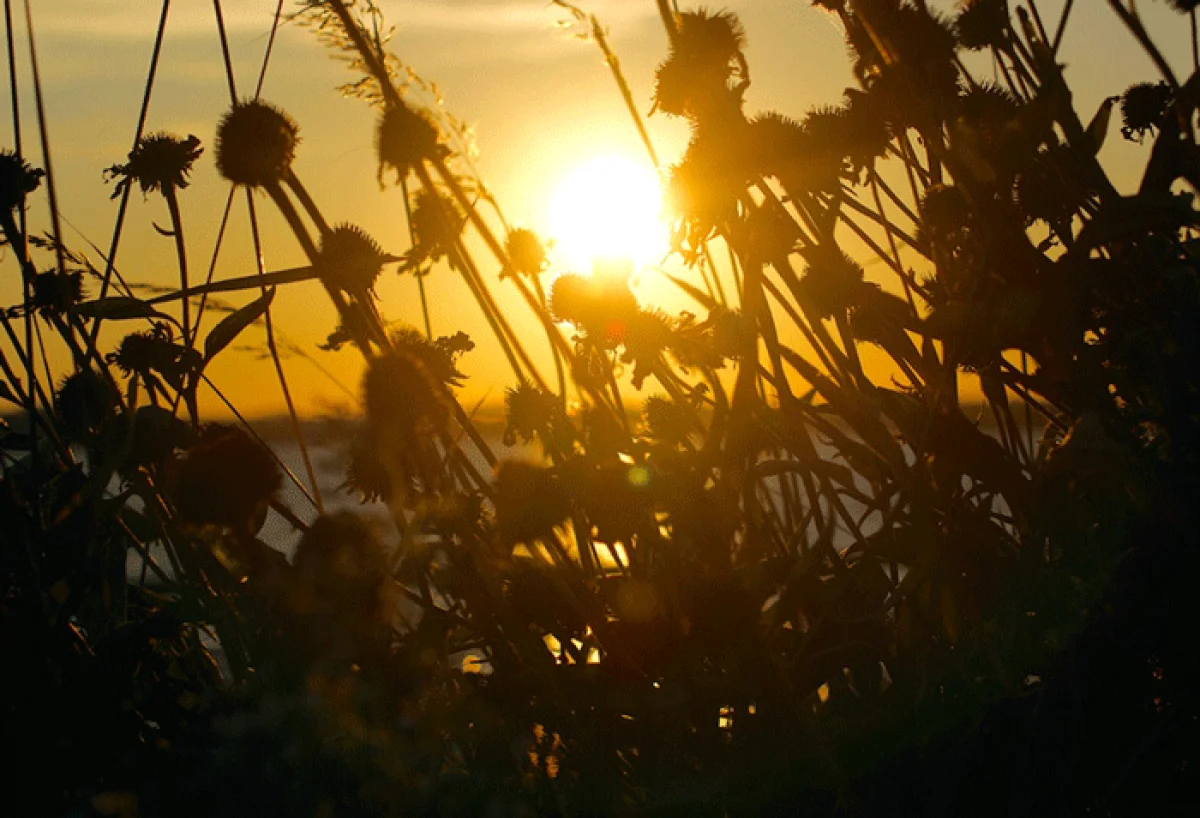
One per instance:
(105,19)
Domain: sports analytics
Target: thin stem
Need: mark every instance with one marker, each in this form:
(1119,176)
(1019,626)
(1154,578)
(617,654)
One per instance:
(168,193)
(111,256)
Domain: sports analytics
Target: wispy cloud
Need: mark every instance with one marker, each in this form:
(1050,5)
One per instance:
(105,19)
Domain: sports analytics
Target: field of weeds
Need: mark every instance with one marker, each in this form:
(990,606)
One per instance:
(918,542)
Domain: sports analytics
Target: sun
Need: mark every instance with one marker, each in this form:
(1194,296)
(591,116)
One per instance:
(608,208)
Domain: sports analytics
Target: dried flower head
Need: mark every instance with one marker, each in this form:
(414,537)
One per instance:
(831,283)
(158,161)
(341,570)
(226,478)
(525,251)
(55,292)
(154,351)
(708,36)
(17,179)
(83,405)
(404,398)
(982,24)
(403,138)
(350,260)
(256,143)
(532,414)
(436,225)
(1142,109)
(530,502)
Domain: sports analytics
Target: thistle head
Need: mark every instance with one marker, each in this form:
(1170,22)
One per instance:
(1142,109)
(341,569)
(54,292)
(404,138)
(350,260)
(982,24)
(532,414)
(158,161)
(17,179)
(256,143)
(226,478)
(83,405)
(525,251)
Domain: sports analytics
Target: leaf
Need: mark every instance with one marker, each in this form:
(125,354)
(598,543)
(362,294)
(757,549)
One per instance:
(246,283)
(231,326)
(7,393)
(119,308)
(1097,129)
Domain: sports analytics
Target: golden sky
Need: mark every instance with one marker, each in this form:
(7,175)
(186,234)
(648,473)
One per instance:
(541,102)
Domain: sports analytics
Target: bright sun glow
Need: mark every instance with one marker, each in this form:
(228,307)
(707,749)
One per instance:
(608,207)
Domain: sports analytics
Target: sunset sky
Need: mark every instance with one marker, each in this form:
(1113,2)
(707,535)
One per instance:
(541,101)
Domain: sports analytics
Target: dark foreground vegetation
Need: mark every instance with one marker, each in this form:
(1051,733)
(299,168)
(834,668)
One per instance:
(792,583)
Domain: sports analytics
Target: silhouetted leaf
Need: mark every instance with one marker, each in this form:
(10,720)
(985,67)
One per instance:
(231,326)
(119,308)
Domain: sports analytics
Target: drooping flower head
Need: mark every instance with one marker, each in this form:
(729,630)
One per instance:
(403,138)
(256,143)
(159,161)
(350,260)
(17,179)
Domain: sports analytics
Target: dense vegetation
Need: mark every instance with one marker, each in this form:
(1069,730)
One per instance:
(790,582)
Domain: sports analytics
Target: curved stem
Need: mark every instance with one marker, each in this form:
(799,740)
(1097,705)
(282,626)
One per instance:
(168,193)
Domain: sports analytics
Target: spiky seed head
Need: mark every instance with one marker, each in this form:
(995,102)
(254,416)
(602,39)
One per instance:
(944,213)
(403,138)
(710,37)
(672,86)
(831,283)
(256,143)
(83,405)
(530,501)
(982,24)
(227,479)
(17,179)
(532,412)
(572,298)
(403,398)
(436,224)
(55,292)
(141,352)
(350,260)
(158,161)
(525,251)
(1142,109)
(341,571)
